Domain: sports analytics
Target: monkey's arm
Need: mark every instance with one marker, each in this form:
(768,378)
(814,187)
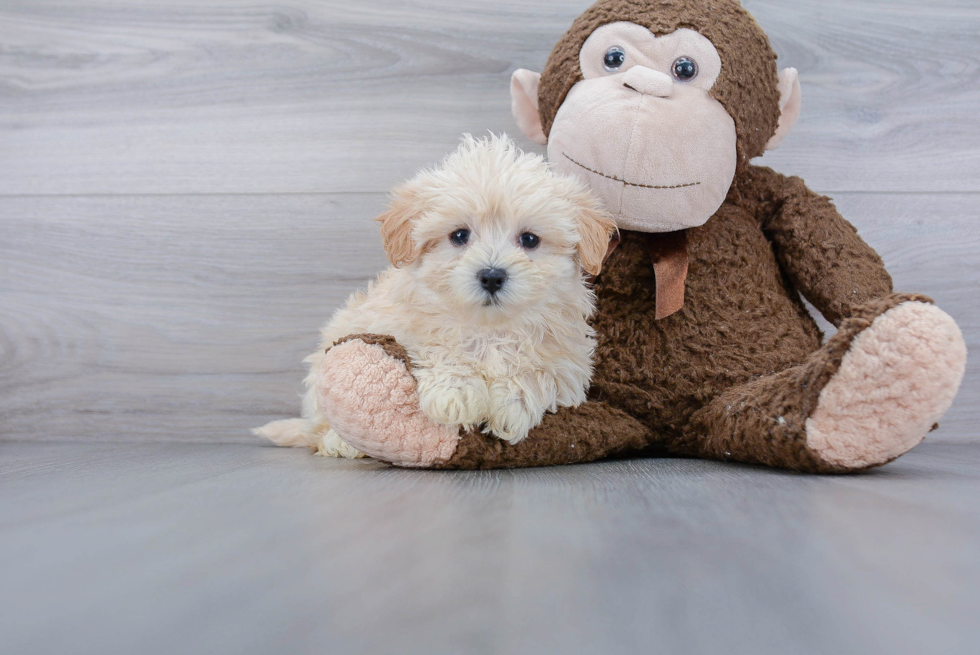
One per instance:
(366,391)
(819,251)
(572,435)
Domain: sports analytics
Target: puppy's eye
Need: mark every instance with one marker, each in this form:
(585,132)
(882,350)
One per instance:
(529,241)
(459,237)
(614,58)
(685,69)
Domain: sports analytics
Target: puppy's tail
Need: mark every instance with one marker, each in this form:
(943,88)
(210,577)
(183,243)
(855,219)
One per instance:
(291,433)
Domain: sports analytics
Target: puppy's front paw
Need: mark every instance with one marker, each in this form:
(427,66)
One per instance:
(452,400)
(510,416)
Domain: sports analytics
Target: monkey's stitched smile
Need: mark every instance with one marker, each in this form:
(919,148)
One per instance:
(613,177)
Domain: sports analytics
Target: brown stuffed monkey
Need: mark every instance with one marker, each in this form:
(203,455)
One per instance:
(704,346)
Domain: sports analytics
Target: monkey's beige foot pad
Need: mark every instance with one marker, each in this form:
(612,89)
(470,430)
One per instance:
(370,400)
(896,380)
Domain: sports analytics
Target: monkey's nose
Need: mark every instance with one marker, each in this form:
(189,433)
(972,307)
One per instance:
(648,81)
(492,279)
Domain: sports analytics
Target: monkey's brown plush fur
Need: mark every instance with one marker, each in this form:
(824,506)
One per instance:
(737,373)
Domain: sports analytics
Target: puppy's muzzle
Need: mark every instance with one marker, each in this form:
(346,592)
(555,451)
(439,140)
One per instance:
(492,279)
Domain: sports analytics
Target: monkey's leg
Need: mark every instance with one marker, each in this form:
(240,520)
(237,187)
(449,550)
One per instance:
(366,392)
(869,395)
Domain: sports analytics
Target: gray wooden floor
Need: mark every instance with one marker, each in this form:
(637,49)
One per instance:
(186,191)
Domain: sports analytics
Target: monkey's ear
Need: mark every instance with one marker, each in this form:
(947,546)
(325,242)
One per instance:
(397,224)
(524,104)
(790,103)
(595,228)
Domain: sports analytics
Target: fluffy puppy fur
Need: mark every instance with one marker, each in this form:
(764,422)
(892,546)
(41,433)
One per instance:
(495,358)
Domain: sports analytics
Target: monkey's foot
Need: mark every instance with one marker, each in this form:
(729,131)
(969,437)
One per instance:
(366,392)
(898,377)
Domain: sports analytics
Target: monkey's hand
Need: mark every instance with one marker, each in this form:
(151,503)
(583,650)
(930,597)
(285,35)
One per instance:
(365,389)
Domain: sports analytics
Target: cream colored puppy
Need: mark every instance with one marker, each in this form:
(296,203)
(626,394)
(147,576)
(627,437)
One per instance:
(486,292)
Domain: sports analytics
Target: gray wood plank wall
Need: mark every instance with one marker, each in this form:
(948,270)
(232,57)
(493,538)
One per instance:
(186,189)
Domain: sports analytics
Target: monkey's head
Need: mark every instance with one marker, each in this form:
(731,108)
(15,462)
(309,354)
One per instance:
(657,105)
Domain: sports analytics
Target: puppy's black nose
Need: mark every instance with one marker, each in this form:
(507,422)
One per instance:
(492,279)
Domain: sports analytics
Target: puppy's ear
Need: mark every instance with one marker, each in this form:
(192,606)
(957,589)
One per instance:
(397,223)
(595,228)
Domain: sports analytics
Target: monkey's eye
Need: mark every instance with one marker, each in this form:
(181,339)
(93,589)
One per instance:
(459,237)
(529,241)
(614,59)
(685,69)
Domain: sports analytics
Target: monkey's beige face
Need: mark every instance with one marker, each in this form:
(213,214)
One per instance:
(642,130)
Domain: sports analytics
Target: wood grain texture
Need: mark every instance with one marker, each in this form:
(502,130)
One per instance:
(234,549)
(103,96)
(174,318)
(186,318)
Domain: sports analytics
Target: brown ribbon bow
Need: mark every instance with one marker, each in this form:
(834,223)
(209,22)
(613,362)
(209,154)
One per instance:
(668,252)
